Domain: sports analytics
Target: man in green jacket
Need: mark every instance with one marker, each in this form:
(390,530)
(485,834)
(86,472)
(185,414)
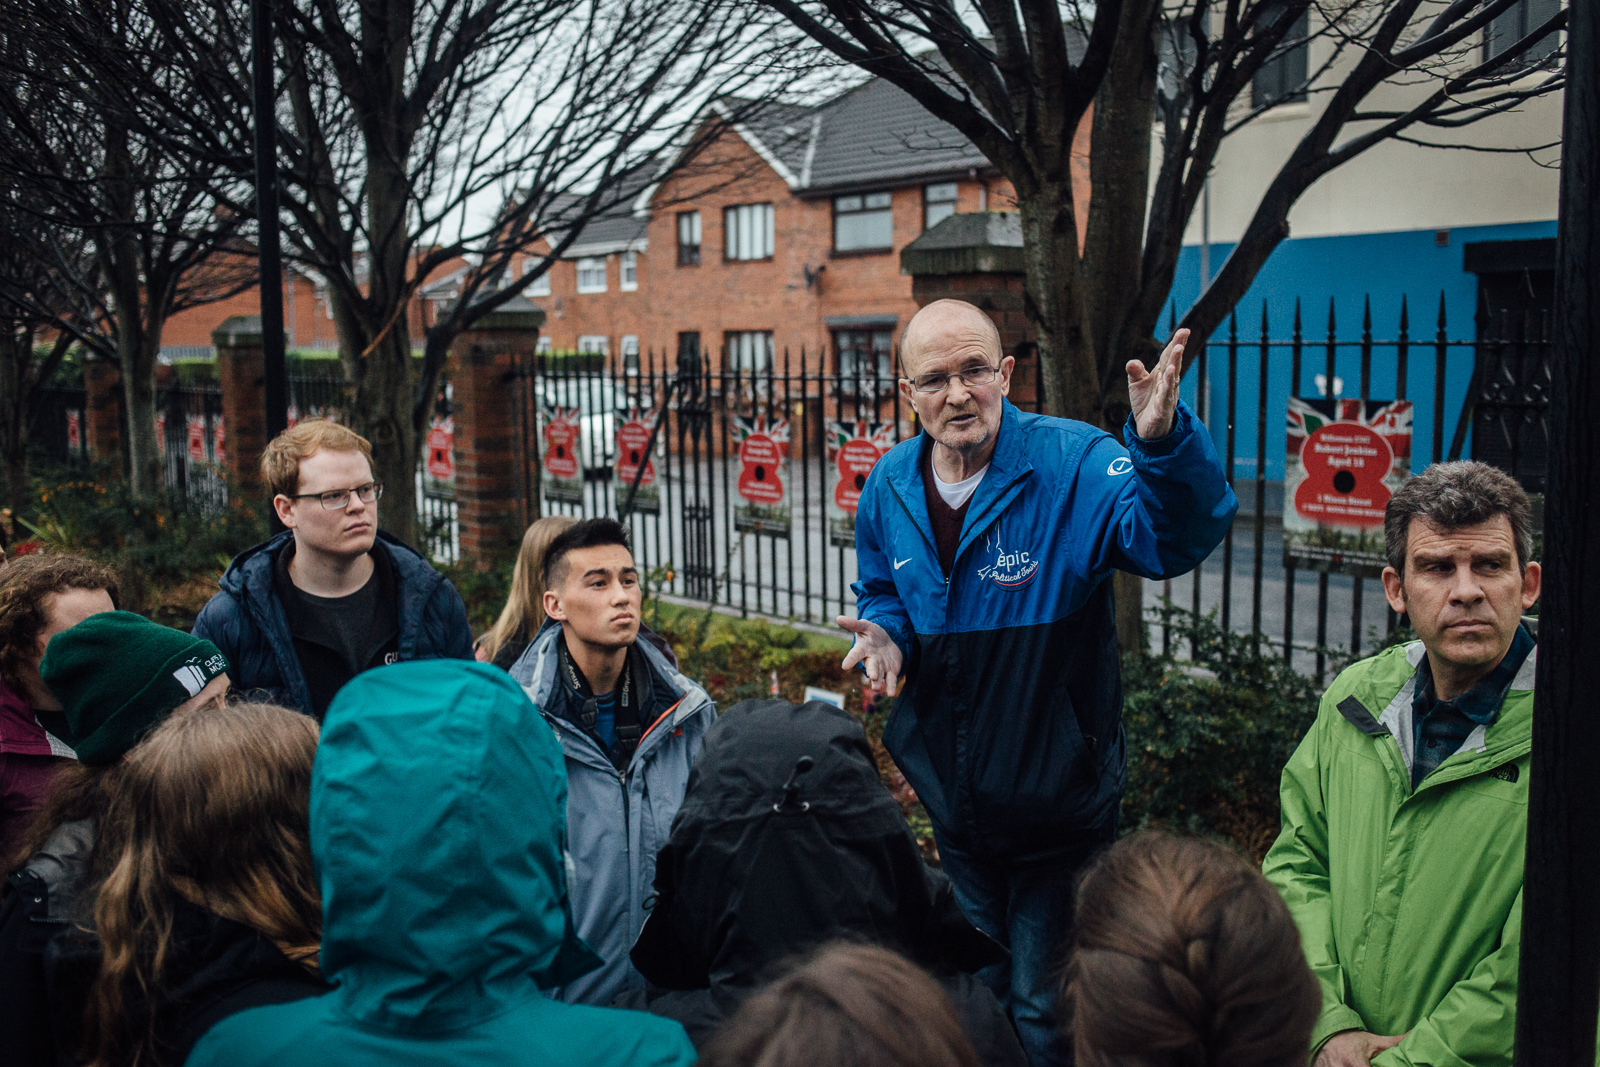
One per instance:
(1405,808)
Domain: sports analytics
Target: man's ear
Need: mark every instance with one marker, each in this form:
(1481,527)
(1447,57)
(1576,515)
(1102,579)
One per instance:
(1007,365)
(1394,590)
(1532,581)
(552,606)
(285,509)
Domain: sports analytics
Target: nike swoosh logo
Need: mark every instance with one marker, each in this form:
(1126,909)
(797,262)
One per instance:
(901,562)
(1120,465)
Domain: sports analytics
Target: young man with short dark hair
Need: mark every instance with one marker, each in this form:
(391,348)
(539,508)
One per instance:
(332,595)
(630,726)
(1405,809)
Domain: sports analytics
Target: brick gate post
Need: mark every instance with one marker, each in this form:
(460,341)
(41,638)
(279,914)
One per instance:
(240,375)
(485,358)
(978,258)
(103,385)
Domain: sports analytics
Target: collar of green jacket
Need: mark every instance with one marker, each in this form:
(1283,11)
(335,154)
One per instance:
(1383,700)
(438,824)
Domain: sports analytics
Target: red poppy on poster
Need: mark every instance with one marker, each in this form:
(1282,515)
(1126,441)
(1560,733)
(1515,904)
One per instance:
(441,444)
(633,445)
(1345,464)
(197,439)
(561,444)
(854,448)
(760,468)
(74,431)
(218,436)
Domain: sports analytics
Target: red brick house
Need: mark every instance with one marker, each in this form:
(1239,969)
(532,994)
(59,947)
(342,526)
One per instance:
(785,236)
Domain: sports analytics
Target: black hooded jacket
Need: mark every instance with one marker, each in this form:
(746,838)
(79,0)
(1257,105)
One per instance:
(766,861)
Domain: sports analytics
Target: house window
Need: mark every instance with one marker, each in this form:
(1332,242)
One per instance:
(630,355)
(629,280)
(938,203)
(592,274)
(865,357)
(543,347)
(862,223)
(595,344)
(749,350)
(748,228)
(688,238)
(1515,23)
(540,286)
(1282,79)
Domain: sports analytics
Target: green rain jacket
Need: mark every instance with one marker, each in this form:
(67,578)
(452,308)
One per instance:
(438,826)
(1409,903)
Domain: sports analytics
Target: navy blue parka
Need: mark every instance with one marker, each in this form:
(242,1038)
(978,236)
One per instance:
(1010,723)
(247,621)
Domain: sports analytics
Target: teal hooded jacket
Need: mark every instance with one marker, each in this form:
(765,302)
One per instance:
(438,827)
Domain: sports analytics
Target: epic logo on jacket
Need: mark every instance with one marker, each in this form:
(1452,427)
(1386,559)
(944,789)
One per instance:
(1008,570)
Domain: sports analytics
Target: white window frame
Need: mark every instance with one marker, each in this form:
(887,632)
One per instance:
(595,344)
(688,238)
(540,286)
(628,273)
(939,202)
(544,346)
(858,205)
(590,265)
(750,350)
(630,354)
(748,232)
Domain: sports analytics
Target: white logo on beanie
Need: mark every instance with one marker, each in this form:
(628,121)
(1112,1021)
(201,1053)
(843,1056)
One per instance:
(191,678)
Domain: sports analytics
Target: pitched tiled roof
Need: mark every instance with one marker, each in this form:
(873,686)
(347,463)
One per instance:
(875,134)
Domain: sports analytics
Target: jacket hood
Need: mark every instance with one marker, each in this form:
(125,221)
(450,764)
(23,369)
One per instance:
(766,859)
(438,823)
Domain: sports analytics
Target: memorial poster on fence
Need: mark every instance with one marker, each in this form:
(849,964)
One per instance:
(763,468)
(854,448)
(440,448)
(560,464)
(1344,459)
(633,459)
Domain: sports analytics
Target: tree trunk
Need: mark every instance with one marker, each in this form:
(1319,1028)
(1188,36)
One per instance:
(13,439)
(1560,955)
(1053,300)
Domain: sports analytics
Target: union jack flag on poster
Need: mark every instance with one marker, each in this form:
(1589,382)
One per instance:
(1343,460)
(763,465)
(854,448)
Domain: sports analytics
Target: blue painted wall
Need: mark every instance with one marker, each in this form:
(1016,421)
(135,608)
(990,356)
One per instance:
(1347,270)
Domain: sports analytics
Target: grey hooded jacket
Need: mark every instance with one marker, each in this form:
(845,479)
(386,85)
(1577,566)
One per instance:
(617,822)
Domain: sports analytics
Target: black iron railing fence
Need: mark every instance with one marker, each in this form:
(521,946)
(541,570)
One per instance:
(1502,416)
(705,526)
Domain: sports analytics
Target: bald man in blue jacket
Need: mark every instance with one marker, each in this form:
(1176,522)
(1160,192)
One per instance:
(985,546)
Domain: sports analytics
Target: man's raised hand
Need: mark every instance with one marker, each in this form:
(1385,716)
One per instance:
(875,650)
(1153,394)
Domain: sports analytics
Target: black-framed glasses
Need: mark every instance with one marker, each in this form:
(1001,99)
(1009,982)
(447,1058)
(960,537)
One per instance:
(971,377)
(334,499)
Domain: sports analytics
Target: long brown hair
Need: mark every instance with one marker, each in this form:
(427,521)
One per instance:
(1183,954)
(213,807)
(524,608)
(849,1005)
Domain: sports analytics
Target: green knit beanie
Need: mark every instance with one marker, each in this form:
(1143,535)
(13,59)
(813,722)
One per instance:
(117,676)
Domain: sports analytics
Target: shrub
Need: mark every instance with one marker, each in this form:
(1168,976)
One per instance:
(167,555)
(1207,739)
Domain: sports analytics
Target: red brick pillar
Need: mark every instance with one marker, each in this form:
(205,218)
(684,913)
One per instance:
(103,384)
(978,258)
(244,415)
(485,358)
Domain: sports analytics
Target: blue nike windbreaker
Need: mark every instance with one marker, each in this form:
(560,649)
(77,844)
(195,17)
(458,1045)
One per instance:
(1009,726)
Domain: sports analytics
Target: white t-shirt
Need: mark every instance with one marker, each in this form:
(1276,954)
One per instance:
(955,494)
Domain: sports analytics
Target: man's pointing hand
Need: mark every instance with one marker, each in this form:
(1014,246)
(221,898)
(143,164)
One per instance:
(875,650)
